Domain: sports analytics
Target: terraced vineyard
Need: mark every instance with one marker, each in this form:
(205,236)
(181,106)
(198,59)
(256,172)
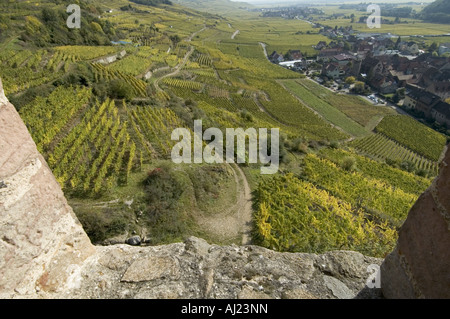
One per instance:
(379,170)
(131,64)
(21,70)
(414,135)
(102,73)
(289,111)
(354,107)
(327,111)
(382,147)
(91,158)
(85,53)
(154,126)
(190,85)
(373,195)
(46,117)
(294,215)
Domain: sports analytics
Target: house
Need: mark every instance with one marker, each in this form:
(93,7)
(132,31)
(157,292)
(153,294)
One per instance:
(412,96)
(343,58)
(441,113)
(388,87)
(275,57)
(409,48)
(364,49)
(383,84)
(333,70)
(326,55)
(425,101)
(296,54)
(372,66)
(437,82)
(321,45)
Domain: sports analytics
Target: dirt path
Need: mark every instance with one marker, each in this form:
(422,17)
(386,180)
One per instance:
(244,207)
(235,34)
(189,39)
(181,65)
(234,222)
(264,46)
(178,68)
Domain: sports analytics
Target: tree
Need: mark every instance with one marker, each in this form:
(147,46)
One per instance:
(120,89)
(350,80)
(433,47)
(360,87)
(175,39)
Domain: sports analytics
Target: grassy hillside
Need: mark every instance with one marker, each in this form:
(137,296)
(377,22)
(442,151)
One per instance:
(438,11)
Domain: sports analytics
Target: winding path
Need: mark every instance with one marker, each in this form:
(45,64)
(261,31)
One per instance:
(178,68)
(181,65)
(234,222)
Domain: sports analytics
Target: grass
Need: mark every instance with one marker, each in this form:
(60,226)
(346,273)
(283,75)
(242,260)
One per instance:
(353,106)
(330,113)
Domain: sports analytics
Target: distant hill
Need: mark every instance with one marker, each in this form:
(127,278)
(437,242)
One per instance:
(214,6)
(438,11)
(152,3)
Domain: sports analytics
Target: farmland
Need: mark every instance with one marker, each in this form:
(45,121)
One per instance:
(414,135)
(349,173)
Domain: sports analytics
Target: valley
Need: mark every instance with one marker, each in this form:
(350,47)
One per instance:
(102,115)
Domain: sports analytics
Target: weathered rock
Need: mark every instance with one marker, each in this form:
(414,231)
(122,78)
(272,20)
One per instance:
(419,267)
(133,241)
(44,252)
(338,288)
(42,244)
(196,269)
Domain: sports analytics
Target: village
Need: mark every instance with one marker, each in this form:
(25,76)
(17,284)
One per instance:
(384,68)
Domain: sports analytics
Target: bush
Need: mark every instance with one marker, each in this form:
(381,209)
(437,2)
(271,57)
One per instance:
(349,164)
(119,89)
(408,166)
(334,144)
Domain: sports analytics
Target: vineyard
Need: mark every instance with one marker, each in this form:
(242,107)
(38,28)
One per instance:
(21,70)
(294,215)
(414,135)
(46,117)
(131,64)
(354,107)
(153,127)
(382,147)
(373,195)
(289,111)
(189,85)
(395,177)
(96,154)
(330,113)
(85,53)
(105,128)
(102,73)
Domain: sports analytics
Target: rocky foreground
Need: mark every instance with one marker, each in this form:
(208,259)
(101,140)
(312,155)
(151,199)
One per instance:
(45,253)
